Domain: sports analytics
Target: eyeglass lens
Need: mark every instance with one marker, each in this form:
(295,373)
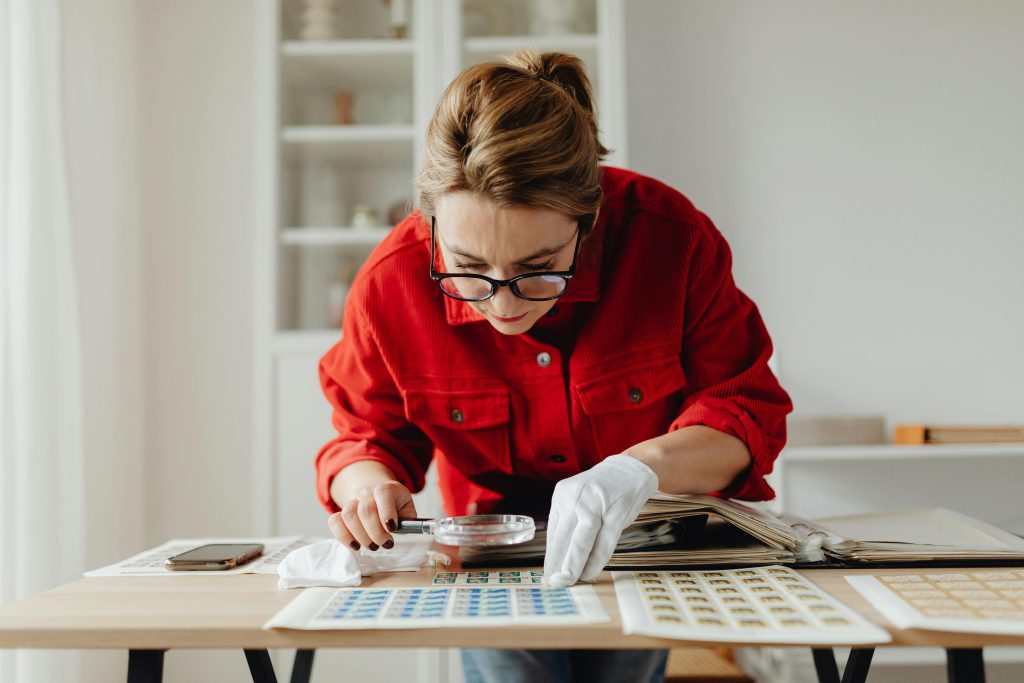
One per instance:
(533,287)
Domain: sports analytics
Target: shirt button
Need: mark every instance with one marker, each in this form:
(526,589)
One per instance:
(558,458)
(457,415)
(635,395)
(543,359)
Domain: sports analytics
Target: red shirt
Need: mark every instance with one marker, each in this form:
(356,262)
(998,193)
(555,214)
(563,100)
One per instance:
(651,335)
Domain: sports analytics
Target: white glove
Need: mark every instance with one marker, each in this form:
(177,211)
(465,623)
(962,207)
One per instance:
(589,512)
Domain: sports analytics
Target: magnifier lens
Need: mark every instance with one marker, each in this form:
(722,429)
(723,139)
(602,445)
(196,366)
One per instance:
(484,530)
(473,530)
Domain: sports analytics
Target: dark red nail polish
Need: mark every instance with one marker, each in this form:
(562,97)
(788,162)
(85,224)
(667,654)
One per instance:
(388,545)
(354,545)
(391,525)
(373,546)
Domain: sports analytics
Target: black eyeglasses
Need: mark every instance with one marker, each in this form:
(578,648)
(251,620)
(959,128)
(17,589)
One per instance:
(529,286)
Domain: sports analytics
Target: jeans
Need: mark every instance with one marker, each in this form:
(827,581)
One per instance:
(564,666)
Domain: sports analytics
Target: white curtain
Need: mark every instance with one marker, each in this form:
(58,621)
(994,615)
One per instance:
(42,523)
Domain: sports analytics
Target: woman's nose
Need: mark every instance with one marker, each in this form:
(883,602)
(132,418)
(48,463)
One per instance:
(505,300)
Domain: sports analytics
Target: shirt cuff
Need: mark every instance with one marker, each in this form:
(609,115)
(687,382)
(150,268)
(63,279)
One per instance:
(338,455)
(726,416)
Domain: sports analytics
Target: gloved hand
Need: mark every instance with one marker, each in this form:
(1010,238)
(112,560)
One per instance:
(589,512)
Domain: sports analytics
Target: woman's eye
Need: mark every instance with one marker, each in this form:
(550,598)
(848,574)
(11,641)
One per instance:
(531,267)
(469,266)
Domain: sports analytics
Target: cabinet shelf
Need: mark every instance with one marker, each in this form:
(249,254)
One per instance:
(333,236)
(348,64)
(500,44)
(367,144)
(353,133)
(348,48)
(839,454)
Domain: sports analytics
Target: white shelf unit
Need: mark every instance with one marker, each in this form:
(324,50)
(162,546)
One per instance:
(371,160)
(395,84)
(333,235)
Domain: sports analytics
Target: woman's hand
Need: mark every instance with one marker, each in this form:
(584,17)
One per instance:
(370,513)
(589,512)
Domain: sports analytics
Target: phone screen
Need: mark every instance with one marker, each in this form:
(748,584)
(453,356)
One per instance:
(217,552)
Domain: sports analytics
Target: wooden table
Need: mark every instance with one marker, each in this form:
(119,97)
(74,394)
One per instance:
(149,615)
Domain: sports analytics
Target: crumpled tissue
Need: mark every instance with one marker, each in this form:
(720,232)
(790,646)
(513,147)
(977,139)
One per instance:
(331,564)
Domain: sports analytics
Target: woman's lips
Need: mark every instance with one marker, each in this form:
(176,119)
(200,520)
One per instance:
(508,320)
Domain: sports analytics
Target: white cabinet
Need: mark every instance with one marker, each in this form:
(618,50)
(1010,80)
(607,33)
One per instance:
(339,138)
(340,135)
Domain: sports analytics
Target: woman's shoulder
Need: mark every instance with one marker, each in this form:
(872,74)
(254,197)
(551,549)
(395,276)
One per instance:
(638,192)
(398,265)
(647,200)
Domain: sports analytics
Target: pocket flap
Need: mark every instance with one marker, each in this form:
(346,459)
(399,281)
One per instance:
(631,388)
(458,409)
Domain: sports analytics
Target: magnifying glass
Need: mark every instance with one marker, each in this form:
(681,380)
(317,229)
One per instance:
(473,530)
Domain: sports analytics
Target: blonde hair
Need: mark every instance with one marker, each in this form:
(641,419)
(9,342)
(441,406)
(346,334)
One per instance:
(519,132)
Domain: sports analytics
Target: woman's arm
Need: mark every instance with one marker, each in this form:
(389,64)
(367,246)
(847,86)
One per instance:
(694,459)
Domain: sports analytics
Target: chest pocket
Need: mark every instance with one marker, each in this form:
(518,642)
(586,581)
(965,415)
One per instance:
(633,403)
(471,428)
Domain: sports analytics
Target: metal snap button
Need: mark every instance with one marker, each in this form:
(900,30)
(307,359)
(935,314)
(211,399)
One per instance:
(543,359)
(558,458)
(635,395)
(457,415)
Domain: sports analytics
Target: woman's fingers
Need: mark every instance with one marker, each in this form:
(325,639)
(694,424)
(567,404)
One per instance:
(577,552)
(387,512)
(604,547)
(370,519)
(350,516)
(366,519)
(340,531)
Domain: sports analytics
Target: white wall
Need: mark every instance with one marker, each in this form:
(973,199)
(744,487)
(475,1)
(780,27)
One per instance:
(195,121)
(864,161)
(862,158)
(98,56)
(195,109)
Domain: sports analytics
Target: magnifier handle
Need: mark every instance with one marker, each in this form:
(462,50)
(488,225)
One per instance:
(415,526)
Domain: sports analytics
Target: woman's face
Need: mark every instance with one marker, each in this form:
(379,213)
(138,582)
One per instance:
(476,236)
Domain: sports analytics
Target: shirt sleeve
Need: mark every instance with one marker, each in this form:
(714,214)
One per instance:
(725,358)
(369,413)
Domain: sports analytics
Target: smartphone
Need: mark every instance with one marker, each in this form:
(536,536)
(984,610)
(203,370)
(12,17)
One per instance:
(215,556)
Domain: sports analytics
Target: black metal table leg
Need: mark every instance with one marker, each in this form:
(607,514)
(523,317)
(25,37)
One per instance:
(145,666)
(302,668)
(857,665)
(965,665)
(825,665)
(260,666)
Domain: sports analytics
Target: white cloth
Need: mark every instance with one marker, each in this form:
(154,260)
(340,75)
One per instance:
(42,462)
(589,512)
(329,563)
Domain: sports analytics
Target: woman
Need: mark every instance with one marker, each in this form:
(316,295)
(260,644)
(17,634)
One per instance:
(556,334)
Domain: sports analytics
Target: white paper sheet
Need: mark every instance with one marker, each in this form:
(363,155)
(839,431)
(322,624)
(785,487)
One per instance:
(757,605)
(151,562)
(439,606)
(984,601)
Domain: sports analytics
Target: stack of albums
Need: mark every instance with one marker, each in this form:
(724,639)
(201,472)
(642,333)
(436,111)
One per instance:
(704,531)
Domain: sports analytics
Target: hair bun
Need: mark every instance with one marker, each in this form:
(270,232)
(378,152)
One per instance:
(564,70)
